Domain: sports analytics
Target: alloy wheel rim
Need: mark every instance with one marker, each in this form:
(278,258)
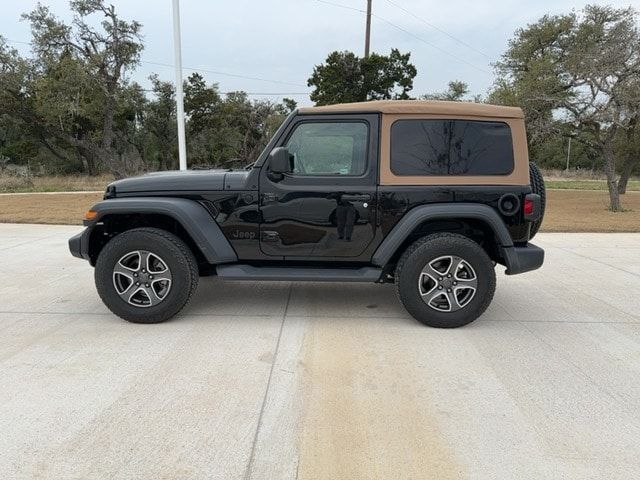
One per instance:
(142,278)
(447,283)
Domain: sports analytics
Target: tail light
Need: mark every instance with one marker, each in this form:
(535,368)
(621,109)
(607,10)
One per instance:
(528,206)
(531,207)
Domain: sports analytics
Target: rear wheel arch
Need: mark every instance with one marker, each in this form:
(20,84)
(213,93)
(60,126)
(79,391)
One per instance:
(476,230)
(477,222)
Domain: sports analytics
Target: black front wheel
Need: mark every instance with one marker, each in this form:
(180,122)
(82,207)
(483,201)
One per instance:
(146,275)
(445,280)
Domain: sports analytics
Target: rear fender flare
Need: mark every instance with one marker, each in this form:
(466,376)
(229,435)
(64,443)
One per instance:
(418,215)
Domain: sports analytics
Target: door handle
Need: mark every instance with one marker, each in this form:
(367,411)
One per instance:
(356,198)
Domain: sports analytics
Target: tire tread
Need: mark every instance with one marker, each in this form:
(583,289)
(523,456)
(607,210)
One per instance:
(186,257)
(454,240)
(537,186)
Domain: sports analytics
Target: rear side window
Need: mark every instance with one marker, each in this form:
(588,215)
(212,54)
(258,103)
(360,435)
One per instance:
(451,147)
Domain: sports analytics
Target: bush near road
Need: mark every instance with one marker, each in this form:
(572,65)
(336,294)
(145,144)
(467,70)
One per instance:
(567,210)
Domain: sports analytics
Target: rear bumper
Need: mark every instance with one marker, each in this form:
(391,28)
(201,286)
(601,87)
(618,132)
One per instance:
(79,244)
(522,259)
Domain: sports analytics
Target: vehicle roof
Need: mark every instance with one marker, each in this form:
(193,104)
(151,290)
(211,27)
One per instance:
(419,107)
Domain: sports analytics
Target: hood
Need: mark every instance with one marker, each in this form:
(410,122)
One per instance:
(179,181)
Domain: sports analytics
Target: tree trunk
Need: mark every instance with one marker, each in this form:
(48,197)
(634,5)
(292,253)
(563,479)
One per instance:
(89,162)
(612,183)
(108,135)
(627,169)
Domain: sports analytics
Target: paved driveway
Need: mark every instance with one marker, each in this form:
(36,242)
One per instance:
(321,381)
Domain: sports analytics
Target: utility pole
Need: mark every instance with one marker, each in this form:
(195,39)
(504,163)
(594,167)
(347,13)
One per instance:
(568,154)
(182,145)
(367,40)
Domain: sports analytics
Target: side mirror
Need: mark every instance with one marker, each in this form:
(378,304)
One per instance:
(279,162)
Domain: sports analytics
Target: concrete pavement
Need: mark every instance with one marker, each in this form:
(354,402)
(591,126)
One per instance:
(321,381)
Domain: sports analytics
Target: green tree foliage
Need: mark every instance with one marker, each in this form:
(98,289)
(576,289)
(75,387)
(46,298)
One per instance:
(83,60)
(577,75)
(345,77)
(456,92)
(71,108)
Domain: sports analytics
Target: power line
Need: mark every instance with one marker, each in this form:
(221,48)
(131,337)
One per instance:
(446,52)
(215,72)
(388,22)
(339,5)
(272,94)
(462,42)
(16,41)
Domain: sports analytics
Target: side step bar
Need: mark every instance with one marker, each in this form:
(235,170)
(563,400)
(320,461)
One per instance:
(249,272)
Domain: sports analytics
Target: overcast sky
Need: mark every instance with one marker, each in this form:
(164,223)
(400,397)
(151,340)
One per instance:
(281,40)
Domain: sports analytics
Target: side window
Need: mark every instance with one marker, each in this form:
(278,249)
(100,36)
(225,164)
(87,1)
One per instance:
(480,148)
(329,148)
(451,147)
(420,147)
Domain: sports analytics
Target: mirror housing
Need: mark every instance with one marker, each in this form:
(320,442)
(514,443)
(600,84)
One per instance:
(279,161)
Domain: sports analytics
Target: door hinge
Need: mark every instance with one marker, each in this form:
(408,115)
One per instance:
(269,197)
(270,236)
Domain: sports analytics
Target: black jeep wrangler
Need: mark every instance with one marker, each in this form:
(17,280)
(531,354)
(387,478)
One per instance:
(428,195)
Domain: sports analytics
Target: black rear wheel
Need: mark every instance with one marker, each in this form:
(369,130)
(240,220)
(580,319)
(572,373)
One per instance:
(445,280)
(146,275)
(537,186)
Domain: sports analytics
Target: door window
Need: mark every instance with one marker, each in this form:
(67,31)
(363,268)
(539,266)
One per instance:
(329,148)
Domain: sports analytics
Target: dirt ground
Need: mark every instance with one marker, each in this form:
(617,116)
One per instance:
(586,211)
(567,210)
(53,208)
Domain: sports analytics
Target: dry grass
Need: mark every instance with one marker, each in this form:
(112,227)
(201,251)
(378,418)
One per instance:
(69,183)
(633,185)
(567,210)
(53,208)
(586,211)
(582,180)
(573,174)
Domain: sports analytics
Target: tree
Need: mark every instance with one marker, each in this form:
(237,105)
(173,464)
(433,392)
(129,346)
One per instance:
(455,92)
(628,144)
(345,77)
(100,57)
(582,70)
(160,122)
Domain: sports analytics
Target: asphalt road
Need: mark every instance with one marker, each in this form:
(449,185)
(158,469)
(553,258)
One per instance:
(321,381)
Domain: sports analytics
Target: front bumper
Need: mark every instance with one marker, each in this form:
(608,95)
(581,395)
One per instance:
(79,244)
(522,259)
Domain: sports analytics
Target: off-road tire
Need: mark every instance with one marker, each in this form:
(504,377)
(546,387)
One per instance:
(172,250)
(537,186)
(425,250)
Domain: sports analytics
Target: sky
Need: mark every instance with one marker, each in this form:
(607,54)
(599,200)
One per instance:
(278,42)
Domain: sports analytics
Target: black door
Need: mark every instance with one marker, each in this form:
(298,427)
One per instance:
(326,207)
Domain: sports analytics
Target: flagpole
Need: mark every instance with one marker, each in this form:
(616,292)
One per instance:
(182,145)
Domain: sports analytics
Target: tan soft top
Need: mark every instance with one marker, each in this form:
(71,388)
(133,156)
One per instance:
(419,107)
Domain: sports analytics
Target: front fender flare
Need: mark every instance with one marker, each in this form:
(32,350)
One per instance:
(439,211)
(193,217)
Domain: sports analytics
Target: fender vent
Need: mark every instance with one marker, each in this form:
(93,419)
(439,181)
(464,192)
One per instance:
(211,208)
